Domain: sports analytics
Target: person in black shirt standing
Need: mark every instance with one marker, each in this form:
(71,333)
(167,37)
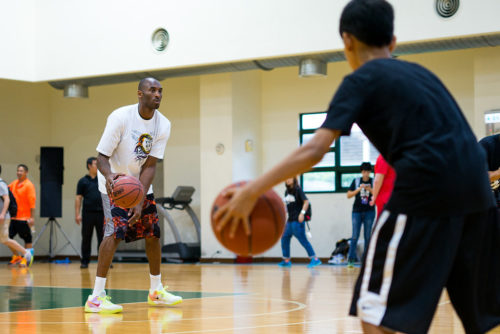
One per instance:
(91,215)
(491,145)
(362,212)
(296,206)
(440,227)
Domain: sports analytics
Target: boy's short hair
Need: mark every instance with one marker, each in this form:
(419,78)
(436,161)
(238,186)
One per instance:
(370,21)
(366,166)
(89,161)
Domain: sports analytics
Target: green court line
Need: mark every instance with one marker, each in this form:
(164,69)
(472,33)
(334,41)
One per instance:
(27,298)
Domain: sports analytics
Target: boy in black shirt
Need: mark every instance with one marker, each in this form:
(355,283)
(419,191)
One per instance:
(440,227)
(363,213)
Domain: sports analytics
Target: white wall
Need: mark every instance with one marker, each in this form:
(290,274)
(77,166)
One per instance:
(18,37)
(203,112)
(246,125)
(60,39)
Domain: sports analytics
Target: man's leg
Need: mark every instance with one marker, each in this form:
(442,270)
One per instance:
(157,293)
(106,253)
(87,229)
(153,251)
(356,227)
(367,227)
(4,238)
(12,234)
(25,233)
(285,241)
(99,227)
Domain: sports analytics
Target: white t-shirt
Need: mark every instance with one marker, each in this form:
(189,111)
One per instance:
(128,140)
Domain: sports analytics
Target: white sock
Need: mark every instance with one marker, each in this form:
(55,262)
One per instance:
(100,283)
(155,282)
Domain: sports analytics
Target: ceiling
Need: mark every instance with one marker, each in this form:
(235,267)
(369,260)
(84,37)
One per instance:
(461,43)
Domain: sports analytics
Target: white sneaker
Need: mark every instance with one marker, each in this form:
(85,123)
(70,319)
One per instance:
(101,304)
(162,297)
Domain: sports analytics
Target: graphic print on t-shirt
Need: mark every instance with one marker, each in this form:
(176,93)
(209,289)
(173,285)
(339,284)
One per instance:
(365,196)
(143,146)
(289,199)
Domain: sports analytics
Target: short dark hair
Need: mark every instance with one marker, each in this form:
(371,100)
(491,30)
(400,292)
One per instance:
(366,166)
(0,169)
(142,83)
(370,21)
(89,161)
(24,166)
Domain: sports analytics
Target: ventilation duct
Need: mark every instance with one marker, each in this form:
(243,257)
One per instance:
(490,40)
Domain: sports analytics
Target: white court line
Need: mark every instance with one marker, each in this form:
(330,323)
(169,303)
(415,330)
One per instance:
(263,326)
(237,294)
(299,307)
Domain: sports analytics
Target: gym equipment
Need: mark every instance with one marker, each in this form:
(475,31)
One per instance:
(180,251)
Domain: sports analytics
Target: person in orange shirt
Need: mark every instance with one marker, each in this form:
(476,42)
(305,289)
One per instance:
(27,258)
(24,192)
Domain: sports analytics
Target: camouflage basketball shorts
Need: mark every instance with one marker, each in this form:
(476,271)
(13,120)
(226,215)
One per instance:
(116,220)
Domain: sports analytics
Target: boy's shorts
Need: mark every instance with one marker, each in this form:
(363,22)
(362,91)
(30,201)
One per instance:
(116,220)
(411,259)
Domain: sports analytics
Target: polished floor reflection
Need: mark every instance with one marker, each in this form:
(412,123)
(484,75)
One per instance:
(48,298)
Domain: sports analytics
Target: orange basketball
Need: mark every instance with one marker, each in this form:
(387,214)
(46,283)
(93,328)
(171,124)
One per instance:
(127,191)
(267,222)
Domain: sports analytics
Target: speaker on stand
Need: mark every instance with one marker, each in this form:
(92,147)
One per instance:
(51,181)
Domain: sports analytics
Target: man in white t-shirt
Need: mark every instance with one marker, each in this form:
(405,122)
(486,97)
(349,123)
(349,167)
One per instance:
(134,138)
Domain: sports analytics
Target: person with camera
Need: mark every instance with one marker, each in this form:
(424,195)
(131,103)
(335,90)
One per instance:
(362,212)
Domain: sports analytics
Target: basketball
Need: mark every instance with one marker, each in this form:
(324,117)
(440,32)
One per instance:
(127,191)
(267,222)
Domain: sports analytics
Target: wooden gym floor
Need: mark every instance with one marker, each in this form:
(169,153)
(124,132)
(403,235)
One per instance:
(223,298)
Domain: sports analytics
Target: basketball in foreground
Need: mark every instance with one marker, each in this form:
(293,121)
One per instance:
(267,222)
(127,191)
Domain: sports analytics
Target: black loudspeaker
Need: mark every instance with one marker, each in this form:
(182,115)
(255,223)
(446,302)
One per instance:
(51,181)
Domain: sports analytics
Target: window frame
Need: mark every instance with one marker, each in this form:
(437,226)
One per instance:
(337,169)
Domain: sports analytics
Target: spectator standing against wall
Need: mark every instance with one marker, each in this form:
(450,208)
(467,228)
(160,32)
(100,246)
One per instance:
(27,257)
(363,213)
(90,215)
(25,194)
(296,207)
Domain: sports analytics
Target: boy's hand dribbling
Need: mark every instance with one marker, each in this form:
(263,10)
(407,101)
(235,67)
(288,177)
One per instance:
(236,211)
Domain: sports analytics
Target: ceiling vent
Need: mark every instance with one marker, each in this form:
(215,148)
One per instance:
(311,67)
(74,90)
(447,8)
(160,39)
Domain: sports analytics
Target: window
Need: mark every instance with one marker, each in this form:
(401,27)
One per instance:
(337,169)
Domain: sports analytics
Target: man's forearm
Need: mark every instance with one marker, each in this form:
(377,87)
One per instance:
(78,205)
(147,176)
(103,165)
